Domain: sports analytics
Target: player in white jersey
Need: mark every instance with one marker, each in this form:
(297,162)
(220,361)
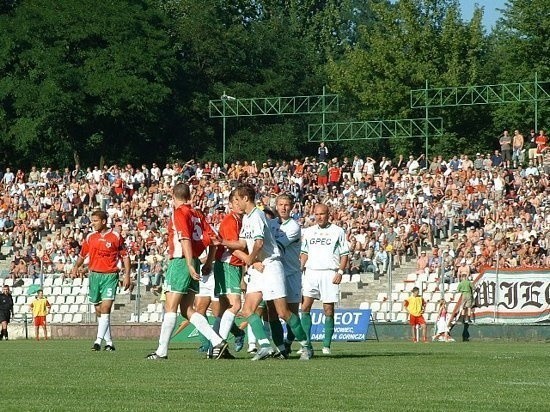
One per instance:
(324,256)
(288,235)
(268,282)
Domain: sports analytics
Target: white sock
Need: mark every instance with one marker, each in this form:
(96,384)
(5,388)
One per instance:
(107,337)
(226,323)
(102,325)
(250,335)
(204,327)
(216,325)
(165,332)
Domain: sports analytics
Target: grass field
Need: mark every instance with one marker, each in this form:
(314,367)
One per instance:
(384,376)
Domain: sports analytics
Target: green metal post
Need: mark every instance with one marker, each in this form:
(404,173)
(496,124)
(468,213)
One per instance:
(426,126)
(324,92)
(224,103)
(536,103)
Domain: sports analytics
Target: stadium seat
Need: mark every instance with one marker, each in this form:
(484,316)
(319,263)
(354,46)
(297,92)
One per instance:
(57,318)
(64,308)
(77,318)
(401,317)
(433,277)
(403,296)
(57,290)
(382,296)
(432,286)
(54,308)
(66,290)
(17,308)
(394,296)
(67,318)
(409,287)
(17,291)
(411,277)
(83,308)
(21,299)
(144,317)
(59,299)
(73,308)
(58,281)
(160,308)
(8,282)
(27,281)
(375,306)
(48,281)
(133,318)
(449,297)
(36,281)
(355,278)
(380,316)
(79,299)
(151,307)
(453,287)
(451,306)
(77,282)
(49,317)
(364,305)
(85,282)
(153,317)
(70,299)
(397,307)
(47,290)
(399,287)
(430,307)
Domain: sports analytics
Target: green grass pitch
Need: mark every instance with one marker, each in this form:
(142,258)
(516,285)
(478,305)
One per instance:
(369,376)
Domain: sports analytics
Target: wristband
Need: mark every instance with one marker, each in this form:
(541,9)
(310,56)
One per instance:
(340,272)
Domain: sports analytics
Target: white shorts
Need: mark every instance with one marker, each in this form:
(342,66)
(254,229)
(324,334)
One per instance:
(271,282)
(318,285)
(206,287)
(293,285)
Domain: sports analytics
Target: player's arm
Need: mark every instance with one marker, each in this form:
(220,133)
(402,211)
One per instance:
(188,255)
(303,253)
(251,258)
(207,265)
(344,257)
(126,279)
(239,244)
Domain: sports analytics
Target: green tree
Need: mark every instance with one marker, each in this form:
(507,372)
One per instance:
(84,81)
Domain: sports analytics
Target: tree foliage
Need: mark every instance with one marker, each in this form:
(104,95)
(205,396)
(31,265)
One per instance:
(131,80)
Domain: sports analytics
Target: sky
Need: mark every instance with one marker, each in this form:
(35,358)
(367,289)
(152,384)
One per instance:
(490,15)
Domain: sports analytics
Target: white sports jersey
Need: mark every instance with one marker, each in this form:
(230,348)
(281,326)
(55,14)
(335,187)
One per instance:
(324,247)
(255,227)
(287,235)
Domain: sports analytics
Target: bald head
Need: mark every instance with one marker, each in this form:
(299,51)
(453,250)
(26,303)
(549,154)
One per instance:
(321,214)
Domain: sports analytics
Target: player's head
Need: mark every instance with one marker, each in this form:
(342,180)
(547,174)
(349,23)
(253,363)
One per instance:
(5,289)
(98,220)
(244,197)
(321,214)
(182,192)
(415,291)
(40,293)
(233,204)
(284,205)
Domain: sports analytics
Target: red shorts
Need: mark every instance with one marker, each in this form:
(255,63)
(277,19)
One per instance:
(322,180)
(416,320)
(40,321)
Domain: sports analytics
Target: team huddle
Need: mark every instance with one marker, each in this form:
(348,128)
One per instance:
(279,266)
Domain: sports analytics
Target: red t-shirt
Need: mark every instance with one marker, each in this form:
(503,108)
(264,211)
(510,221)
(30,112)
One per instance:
(334,174)
(188,223)
(229,230)
(104,250)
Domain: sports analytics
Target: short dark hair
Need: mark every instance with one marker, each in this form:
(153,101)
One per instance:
(100,214)
(415,289)
(246,190)
(182,191)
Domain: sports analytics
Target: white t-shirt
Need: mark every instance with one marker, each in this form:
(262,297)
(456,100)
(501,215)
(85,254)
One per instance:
(324,247)
(288,235)
(255,227)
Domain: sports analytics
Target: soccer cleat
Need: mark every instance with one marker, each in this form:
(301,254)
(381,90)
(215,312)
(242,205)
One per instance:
(227,355)
(280,355)
(300,351)
(239,342)
(154,356)
(219,349)
(326,351)
(96,347)
(109,348)
(288,347)
(263,353)
(252,350)
(306,354)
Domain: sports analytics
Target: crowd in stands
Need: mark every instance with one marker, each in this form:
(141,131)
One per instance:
(488,208)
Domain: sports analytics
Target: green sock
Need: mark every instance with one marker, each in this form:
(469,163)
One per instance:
(329,331)
(277,333)
(296,326)
(257,326)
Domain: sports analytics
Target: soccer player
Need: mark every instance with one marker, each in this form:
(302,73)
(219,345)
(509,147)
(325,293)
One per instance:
(188,237)
(104,247)
(288,235)
(324,256)
(40,308)
(228,274)
(269,284)
(415,306)
(6,311)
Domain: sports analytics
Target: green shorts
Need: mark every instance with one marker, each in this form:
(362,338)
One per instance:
(102,286)
(178,279)
(227,279)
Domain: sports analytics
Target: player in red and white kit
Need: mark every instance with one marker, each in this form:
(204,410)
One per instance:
(188,236)
(104,247)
